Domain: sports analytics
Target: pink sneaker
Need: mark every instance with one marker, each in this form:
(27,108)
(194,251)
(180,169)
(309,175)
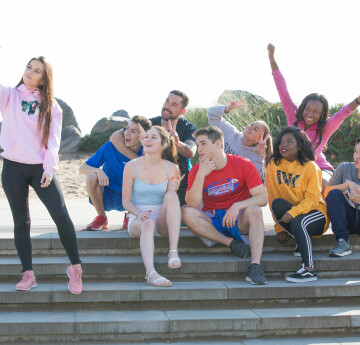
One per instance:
(75,283)
(27,282)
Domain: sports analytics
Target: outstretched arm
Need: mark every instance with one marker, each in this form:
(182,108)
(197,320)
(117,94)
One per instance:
(288,105)
(271,51)
(118,140)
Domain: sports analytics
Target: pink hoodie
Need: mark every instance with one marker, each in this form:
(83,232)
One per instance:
(20,139)
(332,124)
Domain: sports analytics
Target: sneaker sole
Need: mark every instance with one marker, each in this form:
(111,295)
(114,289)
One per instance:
(74,293)
(32,286)
(333,254)
(297,254)
(97,229)
(250,281)
(300,280)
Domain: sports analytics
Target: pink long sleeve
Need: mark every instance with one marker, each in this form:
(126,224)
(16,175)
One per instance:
(20,138)
(51,158)
(288,105)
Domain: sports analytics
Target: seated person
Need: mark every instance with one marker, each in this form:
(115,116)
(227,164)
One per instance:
(254,142)
(343,202)
(232,194)
(293,183)
(150,183)
(179,129)
(105,184)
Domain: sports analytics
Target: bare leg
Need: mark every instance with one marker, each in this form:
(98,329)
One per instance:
(168,223)
(251,221)
(200,224)
(96,193)
(145,230)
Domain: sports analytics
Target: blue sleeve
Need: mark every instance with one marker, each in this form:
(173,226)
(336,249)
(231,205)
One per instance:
(98,159)
(188,132)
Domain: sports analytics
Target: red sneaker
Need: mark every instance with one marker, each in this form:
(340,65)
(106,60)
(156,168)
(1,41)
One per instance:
(126,221)
(99,223)
(75,282)
(27,282)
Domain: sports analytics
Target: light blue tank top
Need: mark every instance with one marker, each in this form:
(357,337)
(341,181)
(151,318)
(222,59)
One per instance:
(149,194)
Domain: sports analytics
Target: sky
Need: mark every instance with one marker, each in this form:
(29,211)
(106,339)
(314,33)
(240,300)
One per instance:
(112,54)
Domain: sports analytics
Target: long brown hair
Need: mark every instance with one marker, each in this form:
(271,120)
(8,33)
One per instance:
(47,100)
(269,145)
(169,152)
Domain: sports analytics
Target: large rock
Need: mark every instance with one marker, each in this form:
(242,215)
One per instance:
(70,133)
(121,113)
(112,123)
(252,102)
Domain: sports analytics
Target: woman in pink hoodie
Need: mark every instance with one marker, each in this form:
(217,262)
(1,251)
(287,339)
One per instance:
(312,116)
(30,138)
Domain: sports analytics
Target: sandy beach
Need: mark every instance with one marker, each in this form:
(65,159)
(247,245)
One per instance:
(72,182)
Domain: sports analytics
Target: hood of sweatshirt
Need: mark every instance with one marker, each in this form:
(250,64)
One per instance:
(23,89)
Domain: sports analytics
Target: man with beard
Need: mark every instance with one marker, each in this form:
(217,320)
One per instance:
(180,129)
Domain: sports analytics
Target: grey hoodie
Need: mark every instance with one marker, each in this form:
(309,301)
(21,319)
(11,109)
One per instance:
(234,139)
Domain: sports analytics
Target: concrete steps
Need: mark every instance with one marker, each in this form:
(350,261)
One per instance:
(159,325)
(277,341)
(202,294)
(194,267)
(208,302)
(118,242)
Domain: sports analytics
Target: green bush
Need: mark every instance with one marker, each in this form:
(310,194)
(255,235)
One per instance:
(92,142)
(341,143)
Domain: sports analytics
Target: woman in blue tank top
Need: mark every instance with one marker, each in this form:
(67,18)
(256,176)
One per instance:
(149,194)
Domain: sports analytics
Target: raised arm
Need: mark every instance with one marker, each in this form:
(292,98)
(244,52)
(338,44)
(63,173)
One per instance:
(288,105)
(271,51)
(118,140)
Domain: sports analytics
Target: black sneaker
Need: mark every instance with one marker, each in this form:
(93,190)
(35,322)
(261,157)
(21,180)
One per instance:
(302,275)
(240,248)
(255,275)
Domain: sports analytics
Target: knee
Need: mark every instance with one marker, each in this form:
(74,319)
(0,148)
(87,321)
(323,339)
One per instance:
(334,195)
(188,215)
(148,226)
(92,180)
(254,213)
(61,216)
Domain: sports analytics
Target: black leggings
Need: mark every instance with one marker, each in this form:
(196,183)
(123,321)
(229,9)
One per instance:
(16,179)
(301,228)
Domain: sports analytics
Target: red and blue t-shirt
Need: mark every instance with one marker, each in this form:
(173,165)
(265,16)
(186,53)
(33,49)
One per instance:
(222,188)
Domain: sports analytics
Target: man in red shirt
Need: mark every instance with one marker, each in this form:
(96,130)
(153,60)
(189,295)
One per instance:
(232,194)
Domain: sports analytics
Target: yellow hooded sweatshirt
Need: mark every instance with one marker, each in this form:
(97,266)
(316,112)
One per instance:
(298,184)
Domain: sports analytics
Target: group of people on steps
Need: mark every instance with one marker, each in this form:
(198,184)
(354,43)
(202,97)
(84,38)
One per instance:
(145,169)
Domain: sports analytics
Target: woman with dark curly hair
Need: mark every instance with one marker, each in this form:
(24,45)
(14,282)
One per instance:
(312,116)
(293,183)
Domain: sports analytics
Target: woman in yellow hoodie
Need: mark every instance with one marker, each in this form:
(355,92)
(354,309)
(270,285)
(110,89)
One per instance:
(293,183)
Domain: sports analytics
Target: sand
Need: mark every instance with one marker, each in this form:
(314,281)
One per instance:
(72,182)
